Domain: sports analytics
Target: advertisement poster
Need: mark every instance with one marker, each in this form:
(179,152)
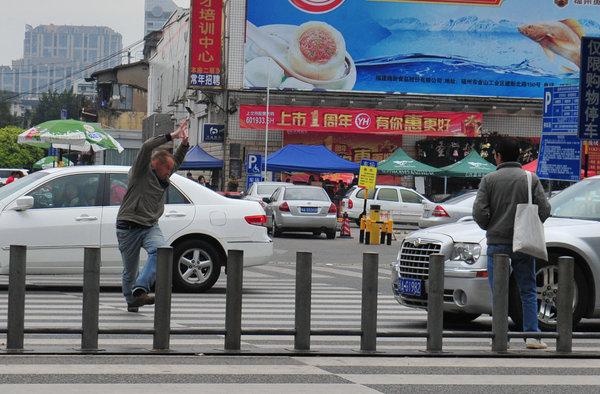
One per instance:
(206,30)
(365,121)
(504,48)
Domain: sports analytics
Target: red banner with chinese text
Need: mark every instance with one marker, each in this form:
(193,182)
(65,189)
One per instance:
(353,120)
(458,2)
(206,30)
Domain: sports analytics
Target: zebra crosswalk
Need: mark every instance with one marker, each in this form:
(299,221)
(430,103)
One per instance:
(294,374)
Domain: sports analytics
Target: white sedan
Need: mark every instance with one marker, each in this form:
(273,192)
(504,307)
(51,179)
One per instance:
(59,211)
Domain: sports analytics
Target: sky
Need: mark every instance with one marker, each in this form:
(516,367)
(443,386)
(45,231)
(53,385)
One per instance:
(123,16)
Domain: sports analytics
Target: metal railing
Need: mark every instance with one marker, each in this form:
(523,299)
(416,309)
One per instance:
(302,331)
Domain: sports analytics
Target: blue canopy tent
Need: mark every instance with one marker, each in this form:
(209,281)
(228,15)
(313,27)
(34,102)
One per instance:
(309,158)
(196,159)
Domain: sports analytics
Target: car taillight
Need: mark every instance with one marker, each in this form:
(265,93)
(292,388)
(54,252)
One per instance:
(257,220)
(350,204)
(439,211)
(332,208)
(284,207)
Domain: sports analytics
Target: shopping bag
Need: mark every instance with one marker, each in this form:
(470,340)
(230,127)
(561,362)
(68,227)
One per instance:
(528,234)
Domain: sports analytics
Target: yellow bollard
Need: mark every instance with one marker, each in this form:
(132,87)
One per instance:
(374,216)
(390,231)
(384,230)
(368,231)
(361,235)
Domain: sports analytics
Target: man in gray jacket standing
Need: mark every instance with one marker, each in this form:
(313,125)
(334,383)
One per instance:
(142,206)
(494,211)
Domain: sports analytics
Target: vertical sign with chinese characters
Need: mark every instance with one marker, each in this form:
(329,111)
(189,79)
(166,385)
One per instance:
(589,89)
(206,32)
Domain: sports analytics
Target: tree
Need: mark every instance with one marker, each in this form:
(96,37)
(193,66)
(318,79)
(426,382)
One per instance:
(15,155)
(6,118)
(51,103)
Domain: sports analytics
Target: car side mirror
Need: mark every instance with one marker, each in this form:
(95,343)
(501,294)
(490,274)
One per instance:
(24,203)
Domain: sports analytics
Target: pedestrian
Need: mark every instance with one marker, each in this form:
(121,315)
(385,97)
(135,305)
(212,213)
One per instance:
(190,176)
(494,211)
(14,176)
(142,206)
(201,180)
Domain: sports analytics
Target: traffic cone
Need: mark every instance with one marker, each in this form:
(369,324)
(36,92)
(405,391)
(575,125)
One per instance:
(345,228)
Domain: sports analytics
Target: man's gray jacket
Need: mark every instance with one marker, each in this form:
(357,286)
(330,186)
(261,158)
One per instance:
(144,202)
(497,198)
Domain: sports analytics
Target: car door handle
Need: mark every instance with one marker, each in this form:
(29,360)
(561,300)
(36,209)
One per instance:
(86,218)
(174,214)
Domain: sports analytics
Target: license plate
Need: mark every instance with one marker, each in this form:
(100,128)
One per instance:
(426,213)
(409,286)
(309,209)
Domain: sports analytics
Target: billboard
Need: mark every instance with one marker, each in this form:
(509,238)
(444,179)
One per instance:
(502,48)
(366,121)
(206,30)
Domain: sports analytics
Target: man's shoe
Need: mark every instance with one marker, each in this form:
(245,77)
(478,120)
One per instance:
(141,300)
(534,343)
(131,308)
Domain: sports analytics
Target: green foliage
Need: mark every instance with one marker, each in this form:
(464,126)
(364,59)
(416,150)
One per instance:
(15,155)
(51,103)
(6,118)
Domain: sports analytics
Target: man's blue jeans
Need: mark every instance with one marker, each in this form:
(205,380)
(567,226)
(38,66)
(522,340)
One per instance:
(130,242)
(523,268)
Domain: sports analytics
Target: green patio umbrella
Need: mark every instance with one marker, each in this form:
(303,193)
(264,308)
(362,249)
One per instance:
(50,162)
(69,134)
(400,163)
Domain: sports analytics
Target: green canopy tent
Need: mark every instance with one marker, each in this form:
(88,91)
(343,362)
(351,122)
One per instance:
(400,163)
(472,166)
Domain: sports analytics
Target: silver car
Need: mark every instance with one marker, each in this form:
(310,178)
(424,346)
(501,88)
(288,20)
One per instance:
(450,210)
(259,190)
(301,208)
(572,230)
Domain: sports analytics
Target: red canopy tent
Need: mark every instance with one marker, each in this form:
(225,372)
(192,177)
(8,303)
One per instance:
(532,166)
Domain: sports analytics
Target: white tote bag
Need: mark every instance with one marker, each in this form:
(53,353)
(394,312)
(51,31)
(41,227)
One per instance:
(529,236)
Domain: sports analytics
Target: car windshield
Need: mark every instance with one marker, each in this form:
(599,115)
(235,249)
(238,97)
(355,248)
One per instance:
(581,201)
(266,190)
(21,183)
(315,194)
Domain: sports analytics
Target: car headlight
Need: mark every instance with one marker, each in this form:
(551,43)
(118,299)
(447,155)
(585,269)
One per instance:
(467,252)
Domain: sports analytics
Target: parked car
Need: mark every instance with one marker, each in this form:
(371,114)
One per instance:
(405,204)
(572,230)
(301,208)
(5,173)
(449,210)
(259,190)
(198,223)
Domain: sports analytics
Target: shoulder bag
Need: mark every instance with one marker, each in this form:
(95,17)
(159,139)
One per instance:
(528,234)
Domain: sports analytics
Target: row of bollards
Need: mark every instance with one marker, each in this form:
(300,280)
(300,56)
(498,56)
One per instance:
(302,328)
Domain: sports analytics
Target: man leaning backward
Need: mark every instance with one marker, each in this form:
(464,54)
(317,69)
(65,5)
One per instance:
(142,206)
(494,211)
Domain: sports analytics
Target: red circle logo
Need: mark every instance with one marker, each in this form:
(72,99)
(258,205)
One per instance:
(316,6)
(362,121)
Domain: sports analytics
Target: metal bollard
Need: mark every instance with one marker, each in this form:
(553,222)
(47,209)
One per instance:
(233,301)
(303,300)
(91,298)
(162,307)
(564,326)
(15,325)
(368,317)
(435,303)
(500,303)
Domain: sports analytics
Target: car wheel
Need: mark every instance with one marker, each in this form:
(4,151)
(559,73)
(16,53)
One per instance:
(547,290)
(196,266)
(330,233)
(459,318)
(275,230)
(358,220)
